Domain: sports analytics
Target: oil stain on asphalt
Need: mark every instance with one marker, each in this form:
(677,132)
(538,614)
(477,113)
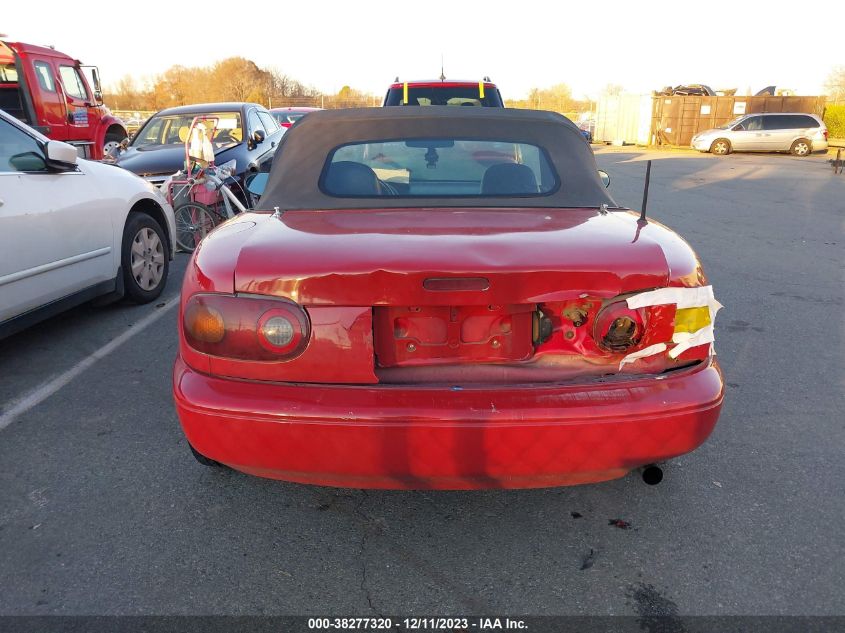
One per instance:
(657,613)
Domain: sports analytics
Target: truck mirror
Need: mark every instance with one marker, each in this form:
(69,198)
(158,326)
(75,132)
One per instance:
(95,83)
(98,90)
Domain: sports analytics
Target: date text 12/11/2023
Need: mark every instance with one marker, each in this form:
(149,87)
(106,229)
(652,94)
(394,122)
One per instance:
(417,624)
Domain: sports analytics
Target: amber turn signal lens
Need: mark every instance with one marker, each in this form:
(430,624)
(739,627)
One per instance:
(204,323)
(692,319)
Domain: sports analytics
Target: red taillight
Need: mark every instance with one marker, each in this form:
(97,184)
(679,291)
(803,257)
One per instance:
(618,328)
(246,328)
(825,135)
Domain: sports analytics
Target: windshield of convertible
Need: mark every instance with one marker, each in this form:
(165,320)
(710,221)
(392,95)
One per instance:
(174,129)
(438,168)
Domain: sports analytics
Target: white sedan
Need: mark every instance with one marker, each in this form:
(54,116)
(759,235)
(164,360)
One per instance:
(72,230)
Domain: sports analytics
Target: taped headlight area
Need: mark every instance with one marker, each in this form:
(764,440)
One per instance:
(695,315)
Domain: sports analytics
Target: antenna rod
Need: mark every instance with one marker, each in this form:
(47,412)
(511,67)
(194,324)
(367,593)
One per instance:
(645,191)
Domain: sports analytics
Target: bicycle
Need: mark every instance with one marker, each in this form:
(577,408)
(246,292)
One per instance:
(198,194)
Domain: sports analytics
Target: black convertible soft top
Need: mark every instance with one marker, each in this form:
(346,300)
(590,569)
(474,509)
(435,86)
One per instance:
(294,179)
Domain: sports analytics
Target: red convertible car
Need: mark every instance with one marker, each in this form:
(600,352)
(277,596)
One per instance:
(443,298)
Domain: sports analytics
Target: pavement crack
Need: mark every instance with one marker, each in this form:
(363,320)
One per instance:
(365,533)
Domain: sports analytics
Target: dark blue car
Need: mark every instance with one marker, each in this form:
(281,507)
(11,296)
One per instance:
(246,132)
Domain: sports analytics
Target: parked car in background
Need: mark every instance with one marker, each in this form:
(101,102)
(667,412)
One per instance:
(801,134)
(72,230)
(288,116)
(443,298)
(134,123)
(444,92)
(59,97)
(246,133)
(587,126)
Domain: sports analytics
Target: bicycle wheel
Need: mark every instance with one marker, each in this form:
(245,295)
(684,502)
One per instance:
(193,222)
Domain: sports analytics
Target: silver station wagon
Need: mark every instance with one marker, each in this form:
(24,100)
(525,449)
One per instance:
(800,134)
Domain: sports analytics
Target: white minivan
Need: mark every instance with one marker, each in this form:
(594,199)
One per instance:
(72,230)
(801,134)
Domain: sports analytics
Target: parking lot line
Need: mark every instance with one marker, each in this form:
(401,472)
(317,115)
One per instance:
(44,391)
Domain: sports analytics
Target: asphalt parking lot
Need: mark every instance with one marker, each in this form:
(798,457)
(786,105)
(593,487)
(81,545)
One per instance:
(104,511)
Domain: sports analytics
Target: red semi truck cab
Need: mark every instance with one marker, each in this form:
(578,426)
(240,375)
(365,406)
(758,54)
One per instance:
(51,92)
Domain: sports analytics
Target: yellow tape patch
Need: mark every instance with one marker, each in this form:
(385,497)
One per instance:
(405,93)
(692,319)
(480,89)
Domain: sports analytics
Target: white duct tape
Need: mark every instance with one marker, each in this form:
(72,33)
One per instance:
(698,297)
(685,340)
(651,350)
(681,297)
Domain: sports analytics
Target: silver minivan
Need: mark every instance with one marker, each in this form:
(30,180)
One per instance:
(798,133)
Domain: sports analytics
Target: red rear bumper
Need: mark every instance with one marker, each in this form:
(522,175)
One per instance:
(427,437)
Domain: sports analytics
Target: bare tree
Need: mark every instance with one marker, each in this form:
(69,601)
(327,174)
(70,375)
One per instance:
(232,79)
(835,84)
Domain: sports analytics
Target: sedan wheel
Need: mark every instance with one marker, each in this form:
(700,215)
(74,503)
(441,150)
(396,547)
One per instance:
(800,147)
(721,147)
(145,258)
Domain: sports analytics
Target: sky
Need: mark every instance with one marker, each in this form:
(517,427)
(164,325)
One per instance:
(520,44)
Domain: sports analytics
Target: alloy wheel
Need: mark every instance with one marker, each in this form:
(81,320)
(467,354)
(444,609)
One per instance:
(147,259)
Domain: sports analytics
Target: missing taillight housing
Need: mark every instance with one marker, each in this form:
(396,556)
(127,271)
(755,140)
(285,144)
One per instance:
(246,327)
(619,328)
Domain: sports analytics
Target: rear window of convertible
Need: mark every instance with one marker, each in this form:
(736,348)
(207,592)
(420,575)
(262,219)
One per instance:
(438,168)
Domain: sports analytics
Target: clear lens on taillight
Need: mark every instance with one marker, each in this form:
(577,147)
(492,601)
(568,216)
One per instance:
(245,328)
(277,331)
(618,328)
(280,331)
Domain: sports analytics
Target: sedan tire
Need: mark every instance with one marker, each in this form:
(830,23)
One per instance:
(721,147)
(144,258)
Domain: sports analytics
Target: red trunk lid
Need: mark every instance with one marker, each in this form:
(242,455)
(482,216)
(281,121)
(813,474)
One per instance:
(399,257)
